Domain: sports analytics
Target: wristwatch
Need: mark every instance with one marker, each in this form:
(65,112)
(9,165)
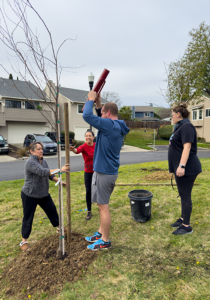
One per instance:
(182,166)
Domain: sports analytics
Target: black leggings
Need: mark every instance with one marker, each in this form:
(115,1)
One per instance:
(88,183)
(185,185)
(29,208)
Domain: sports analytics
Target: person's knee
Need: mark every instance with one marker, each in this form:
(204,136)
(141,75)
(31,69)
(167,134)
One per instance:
(103,207)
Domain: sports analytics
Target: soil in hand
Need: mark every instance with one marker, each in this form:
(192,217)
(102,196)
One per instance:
(40,270)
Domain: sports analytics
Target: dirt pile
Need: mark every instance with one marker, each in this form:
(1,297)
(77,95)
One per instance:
(158,176)
(39,269)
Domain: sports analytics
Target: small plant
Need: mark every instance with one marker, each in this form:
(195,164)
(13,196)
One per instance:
(39,107)
(23,152)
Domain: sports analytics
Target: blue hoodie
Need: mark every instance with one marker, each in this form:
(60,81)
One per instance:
(109,141)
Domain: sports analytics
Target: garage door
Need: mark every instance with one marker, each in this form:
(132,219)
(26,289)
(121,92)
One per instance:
(17,133)
(80,132)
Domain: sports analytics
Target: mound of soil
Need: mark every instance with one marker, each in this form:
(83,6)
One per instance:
(39,269)
(158,176)
(151,170)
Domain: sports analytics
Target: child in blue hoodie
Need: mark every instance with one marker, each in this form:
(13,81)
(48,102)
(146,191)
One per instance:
(106,161)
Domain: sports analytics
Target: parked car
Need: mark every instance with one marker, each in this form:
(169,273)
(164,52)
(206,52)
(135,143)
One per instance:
(52,136)
(4,147)
(49,147)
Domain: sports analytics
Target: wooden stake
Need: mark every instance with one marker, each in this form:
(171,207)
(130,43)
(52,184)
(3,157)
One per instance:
(68,185)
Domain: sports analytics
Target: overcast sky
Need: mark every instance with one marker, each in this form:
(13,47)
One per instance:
(132,39)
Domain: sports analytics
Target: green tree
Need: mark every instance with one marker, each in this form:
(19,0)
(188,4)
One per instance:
(189,77)
(10,76)
(126,112)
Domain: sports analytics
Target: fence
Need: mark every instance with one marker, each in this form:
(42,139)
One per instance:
(147,124)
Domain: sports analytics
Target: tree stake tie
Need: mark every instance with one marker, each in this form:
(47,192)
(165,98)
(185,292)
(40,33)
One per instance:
(62,237)
(58,143)
(58,121)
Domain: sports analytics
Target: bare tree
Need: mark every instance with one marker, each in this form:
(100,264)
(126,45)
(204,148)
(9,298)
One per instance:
(33,61)
(112,97)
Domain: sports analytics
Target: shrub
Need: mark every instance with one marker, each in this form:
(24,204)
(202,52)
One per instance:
(71,134)
(77,143)
(165,132)
(23,152)
(200,139)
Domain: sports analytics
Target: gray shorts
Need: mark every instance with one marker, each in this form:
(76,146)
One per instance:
(102,187)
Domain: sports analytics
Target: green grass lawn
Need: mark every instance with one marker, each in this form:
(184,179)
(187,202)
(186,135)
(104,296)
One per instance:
(141,139)
(138,138)
(146,261)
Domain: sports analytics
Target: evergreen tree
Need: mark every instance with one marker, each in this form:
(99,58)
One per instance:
(10,76)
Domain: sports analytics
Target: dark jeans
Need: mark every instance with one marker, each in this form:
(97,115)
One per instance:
(88,183)
(185,185)
(29,208)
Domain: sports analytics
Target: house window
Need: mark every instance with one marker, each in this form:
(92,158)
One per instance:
(208,112)
(28,105)
(79,108)
(147,114)
(195,115)
(13,104)
(200,114)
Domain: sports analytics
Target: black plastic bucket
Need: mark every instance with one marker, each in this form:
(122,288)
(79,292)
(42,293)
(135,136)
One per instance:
(140,201)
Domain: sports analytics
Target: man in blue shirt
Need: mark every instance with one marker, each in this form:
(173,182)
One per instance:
(111,132)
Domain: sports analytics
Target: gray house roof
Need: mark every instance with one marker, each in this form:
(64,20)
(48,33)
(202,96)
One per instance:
(26,89)
(75,95)
(143,108)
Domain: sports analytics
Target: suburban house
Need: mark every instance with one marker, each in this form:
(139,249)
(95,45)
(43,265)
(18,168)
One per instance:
(76,100)
(200,118)
(144,113)
(19,117)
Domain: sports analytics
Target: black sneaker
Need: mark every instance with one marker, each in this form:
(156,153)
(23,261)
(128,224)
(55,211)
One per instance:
(89,215)
(183,230)
(177,223)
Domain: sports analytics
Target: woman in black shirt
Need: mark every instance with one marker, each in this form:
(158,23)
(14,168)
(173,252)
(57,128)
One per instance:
(184,163)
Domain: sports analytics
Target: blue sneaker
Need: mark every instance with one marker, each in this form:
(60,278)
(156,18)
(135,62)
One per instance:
(95,237)
(100,245)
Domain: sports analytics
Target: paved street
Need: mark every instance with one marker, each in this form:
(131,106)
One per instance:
(15,169)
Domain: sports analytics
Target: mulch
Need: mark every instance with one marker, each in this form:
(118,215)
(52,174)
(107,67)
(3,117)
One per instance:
(40,270)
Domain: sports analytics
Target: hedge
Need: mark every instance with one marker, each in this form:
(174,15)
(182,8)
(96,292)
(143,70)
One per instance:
(71,134)
(165,132)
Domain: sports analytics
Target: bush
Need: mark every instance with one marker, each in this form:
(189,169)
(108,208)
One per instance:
(165,132)
(23,152)
(200,139)
(71,134)
(77,143)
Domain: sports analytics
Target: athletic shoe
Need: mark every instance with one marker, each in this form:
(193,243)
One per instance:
(99,245)
(177,223)
(89,215)
(95,237)
(183,230)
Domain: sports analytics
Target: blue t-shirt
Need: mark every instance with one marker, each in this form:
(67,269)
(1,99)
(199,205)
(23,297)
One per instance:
(109,141)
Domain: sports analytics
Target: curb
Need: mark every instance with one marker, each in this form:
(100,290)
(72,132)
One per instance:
(23,158)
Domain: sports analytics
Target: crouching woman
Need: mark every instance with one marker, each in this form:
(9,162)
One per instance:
(36,191)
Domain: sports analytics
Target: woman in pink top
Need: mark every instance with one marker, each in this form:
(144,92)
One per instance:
(87,151)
